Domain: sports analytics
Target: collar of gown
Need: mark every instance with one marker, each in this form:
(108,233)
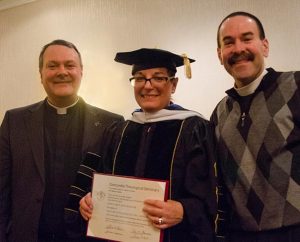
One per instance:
(173,112)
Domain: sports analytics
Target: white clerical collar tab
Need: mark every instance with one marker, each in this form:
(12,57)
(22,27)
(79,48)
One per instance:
(62,110)
(251,87)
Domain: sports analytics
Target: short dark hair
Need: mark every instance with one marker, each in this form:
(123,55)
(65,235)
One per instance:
(57,42)
(241,13)
(171,73)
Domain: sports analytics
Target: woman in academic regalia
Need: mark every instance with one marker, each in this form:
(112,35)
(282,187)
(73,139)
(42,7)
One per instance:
(164,141)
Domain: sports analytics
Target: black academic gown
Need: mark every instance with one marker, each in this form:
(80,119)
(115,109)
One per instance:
(179,151)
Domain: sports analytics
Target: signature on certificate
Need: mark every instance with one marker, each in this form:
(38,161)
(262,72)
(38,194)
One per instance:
(139,234)
(113,229)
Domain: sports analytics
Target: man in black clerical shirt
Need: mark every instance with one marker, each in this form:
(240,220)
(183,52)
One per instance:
(41,147)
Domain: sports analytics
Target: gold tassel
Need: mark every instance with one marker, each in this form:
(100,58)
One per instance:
(187,66)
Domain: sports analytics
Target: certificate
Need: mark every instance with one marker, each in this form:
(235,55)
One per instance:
(118,208)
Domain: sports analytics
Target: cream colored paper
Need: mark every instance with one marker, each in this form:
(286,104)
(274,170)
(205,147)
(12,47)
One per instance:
(118,203)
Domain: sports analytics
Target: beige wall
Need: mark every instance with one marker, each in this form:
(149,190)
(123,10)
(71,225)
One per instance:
(100,28)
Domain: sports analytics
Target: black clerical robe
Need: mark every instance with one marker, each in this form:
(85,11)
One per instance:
(63,141)
(23,165)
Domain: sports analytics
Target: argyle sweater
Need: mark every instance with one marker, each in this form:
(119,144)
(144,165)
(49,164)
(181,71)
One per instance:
(258,143)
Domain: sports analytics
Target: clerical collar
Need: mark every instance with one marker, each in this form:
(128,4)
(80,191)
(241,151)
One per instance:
(63,110)
(251,87)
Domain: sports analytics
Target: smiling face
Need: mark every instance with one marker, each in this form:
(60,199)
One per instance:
(241,50)
(61,74)
(154,97)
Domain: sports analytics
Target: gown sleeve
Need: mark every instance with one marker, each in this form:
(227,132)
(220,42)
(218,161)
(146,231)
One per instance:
(199,183)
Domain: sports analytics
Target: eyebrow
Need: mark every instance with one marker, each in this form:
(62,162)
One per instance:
(155,73)
(243,35)
(248,33)
(66,61)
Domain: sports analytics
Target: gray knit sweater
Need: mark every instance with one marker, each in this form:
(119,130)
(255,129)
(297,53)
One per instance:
(258,144)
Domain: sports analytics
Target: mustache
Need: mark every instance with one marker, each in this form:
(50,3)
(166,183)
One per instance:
(248,56)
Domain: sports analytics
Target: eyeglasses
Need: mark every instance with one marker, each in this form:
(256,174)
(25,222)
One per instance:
(140,81)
